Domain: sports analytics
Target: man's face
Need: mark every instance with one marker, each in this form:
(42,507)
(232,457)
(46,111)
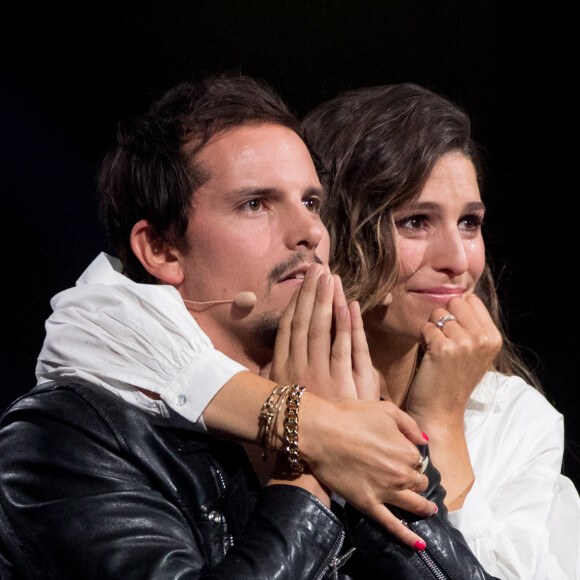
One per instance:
(255,225)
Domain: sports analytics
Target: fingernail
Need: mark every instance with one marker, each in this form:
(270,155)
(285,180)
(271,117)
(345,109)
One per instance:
(313,270)
(420,545)
(425,436)
(436,510)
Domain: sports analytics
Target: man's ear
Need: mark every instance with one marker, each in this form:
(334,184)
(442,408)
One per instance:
(157,256)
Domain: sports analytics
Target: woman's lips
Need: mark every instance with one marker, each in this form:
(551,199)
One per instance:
(440,294)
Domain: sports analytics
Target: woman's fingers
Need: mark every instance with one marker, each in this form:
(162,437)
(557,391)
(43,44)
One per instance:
(405,423)
(467,323)
(382,515)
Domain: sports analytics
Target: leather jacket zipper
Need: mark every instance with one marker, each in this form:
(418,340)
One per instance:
(424,555)
(331,558)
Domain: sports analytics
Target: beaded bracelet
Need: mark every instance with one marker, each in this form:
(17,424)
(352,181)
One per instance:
(291,429)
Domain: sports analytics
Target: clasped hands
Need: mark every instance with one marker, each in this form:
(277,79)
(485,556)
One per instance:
(363,449)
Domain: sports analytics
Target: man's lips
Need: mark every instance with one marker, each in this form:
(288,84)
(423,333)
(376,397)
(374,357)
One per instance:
(439,294)
(296,275)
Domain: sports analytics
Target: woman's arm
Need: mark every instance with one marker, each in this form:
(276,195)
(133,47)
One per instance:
(456,357)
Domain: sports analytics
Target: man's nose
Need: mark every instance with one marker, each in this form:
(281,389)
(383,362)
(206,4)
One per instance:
(303,227)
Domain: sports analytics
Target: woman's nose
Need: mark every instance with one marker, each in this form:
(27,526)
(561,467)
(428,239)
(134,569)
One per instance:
(449,253)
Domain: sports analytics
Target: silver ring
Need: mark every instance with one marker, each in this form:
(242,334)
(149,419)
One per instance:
(447,318)
(422,464)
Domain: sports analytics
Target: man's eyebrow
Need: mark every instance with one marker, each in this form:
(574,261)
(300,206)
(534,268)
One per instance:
(319,191)
(250,191)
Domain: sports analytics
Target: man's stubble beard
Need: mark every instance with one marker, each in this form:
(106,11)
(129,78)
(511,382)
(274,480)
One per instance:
(267,328)
(258,340)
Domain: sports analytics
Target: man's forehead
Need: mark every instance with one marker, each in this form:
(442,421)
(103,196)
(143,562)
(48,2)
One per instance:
(256,153)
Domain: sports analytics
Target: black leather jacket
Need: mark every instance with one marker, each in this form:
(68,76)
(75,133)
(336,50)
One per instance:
(91,488)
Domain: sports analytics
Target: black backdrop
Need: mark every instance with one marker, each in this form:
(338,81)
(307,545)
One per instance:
(68,74)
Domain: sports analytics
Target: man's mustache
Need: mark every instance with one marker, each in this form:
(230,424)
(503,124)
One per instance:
(288,265)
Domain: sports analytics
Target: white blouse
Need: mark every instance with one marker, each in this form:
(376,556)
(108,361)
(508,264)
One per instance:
(115,333)
(522,517)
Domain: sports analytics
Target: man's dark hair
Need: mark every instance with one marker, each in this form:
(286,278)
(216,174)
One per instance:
(151,174)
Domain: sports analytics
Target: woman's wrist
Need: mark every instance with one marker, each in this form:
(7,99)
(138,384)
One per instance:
(305,480)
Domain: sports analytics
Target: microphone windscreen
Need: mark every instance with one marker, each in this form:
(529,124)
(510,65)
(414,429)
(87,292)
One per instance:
(245,300)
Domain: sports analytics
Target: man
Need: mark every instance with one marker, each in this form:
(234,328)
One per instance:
(210,194)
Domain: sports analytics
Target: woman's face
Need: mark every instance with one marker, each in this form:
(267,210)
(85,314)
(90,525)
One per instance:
(441,249)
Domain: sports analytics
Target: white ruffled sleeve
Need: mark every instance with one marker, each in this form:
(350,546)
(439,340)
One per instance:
(522,517)
(112,332)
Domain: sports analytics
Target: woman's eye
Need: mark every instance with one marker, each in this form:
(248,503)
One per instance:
(415,222)
(471,222)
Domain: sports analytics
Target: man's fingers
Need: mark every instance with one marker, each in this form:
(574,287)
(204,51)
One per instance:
(321,321)
(366,377)
(300,324)
(282,344)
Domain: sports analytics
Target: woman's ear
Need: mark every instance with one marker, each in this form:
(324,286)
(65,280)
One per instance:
(157,256)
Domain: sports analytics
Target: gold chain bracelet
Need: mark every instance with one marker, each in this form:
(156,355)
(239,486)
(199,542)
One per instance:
(291,429)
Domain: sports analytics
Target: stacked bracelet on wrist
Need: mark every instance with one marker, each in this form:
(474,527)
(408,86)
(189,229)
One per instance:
(269,421)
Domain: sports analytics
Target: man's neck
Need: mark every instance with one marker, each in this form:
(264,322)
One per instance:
(257,359)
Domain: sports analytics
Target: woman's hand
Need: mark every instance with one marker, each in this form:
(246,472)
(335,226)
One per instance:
(457,355)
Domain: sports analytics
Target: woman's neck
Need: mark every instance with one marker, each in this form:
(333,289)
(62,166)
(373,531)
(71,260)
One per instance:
(395,360)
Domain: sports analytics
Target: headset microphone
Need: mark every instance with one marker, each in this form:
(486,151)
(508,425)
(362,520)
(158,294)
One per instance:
(243,300)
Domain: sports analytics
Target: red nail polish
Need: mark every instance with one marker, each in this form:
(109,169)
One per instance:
(425,436)
(436,510)
(420,545)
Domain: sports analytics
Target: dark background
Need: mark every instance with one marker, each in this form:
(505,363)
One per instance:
(68,74)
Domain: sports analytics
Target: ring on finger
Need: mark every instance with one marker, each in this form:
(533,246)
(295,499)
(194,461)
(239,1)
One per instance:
(444,319)
(422,464)
(417,483)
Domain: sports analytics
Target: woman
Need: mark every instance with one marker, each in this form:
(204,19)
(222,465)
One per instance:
(404,214)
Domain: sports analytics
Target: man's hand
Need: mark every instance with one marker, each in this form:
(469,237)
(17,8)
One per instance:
(364,450)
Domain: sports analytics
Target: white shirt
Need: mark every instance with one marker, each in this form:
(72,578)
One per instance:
(118,334)
(522,517)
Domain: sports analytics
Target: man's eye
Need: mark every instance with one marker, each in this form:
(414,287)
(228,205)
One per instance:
(254,204)
(312,204)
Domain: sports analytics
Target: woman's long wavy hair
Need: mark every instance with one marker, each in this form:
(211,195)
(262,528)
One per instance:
(374,149)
